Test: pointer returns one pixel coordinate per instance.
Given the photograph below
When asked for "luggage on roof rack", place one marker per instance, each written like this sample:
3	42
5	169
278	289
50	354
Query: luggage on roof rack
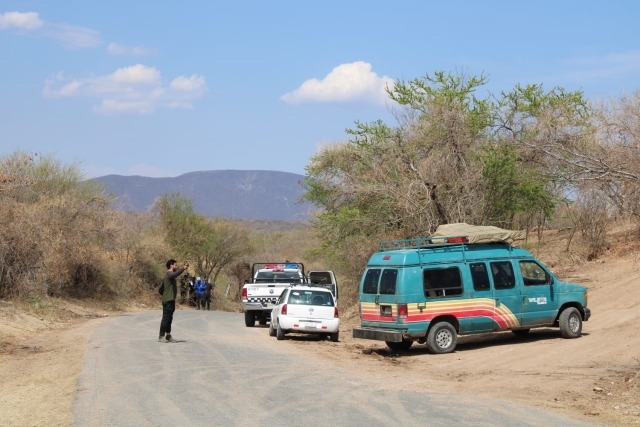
459	233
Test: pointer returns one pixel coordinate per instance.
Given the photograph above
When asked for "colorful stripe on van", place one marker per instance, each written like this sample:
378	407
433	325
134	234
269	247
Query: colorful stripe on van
466	308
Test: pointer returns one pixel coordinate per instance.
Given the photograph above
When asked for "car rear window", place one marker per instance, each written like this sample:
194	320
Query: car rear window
442	282
304	297
278	277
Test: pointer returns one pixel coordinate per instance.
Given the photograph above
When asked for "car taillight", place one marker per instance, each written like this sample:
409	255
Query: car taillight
284	309
403	311
244	293
335	313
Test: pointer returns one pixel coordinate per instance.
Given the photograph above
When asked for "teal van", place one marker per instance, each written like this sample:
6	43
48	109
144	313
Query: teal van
431	290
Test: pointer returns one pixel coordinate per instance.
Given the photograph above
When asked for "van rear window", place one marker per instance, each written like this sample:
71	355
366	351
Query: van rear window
442	282
388	281
371	278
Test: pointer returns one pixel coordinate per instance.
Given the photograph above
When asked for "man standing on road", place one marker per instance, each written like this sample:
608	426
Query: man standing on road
169	299
207	294
201	289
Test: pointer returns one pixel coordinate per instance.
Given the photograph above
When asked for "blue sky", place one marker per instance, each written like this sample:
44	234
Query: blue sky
163	88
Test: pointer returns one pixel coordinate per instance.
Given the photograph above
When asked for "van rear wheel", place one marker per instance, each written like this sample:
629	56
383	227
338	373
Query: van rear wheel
570	323
399	346
442	338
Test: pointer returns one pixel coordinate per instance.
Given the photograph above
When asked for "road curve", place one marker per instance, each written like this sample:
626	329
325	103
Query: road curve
226	374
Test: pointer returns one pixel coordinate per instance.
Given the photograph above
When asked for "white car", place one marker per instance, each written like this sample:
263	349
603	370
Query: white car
305	310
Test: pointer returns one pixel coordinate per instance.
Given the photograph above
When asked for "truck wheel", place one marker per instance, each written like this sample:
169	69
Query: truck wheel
520	332
272	332
570	323
442	338
335	336
249	319
262	320
279	333
399	346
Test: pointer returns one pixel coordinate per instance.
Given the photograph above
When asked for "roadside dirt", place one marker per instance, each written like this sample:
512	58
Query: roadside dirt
593	378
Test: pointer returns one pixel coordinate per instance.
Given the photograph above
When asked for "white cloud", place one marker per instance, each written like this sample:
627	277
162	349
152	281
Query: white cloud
22	20
70	36
346	82
609	65
137	89
118	49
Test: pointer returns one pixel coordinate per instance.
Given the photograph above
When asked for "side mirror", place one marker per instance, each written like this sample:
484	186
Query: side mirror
549	279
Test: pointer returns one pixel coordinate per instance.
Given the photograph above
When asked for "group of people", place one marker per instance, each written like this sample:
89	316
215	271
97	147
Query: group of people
198	289
196	292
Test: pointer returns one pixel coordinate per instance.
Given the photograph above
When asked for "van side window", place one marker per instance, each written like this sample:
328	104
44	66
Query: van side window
533	274
442	282
502	275
371	278
388	282
480	276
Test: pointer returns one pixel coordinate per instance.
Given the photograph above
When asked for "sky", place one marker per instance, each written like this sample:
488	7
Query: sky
160	88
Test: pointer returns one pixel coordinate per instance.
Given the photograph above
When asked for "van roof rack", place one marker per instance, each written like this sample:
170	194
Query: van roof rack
421	243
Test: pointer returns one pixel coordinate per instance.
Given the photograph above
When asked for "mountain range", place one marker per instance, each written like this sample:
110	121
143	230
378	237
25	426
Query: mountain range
242	194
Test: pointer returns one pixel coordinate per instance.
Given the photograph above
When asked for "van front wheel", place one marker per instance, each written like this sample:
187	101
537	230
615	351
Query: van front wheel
398	346
570	323
442	338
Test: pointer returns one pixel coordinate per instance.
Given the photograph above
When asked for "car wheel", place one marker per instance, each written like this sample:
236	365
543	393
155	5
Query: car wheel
249	319
335	337
399	346
279	333
520	332
272	331
442	338
570	323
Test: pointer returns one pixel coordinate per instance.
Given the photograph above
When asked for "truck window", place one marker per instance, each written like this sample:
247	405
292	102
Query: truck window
502	275
388	281
371	278
533	274
278	277
480	276
442	282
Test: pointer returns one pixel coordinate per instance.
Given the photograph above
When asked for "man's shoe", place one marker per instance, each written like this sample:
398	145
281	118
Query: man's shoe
170	339
162	339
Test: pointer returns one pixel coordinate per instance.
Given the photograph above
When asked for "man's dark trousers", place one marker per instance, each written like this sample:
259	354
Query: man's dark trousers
167	317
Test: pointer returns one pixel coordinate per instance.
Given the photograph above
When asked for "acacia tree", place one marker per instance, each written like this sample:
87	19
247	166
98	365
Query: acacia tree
452	157
212	244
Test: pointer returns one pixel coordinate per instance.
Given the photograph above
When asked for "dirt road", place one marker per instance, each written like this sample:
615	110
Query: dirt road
226	374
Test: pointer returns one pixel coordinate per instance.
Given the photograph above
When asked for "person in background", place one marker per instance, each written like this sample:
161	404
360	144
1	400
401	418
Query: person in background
169	299
207	294
200	288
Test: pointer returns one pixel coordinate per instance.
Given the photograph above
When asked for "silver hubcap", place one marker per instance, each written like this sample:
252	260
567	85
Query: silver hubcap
574	323
444	338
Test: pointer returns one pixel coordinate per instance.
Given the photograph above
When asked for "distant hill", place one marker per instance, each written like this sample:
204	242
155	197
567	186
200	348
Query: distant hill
263	195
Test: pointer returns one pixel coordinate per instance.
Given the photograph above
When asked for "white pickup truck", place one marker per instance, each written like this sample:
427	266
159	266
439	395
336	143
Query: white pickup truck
270	279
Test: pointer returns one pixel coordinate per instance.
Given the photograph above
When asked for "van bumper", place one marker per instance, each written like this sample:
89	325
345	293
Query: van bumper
587	314
390	335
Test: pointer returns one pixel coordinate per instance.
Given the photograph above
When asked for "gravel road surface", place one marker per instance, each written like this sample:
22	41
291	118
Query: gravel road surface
225	374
